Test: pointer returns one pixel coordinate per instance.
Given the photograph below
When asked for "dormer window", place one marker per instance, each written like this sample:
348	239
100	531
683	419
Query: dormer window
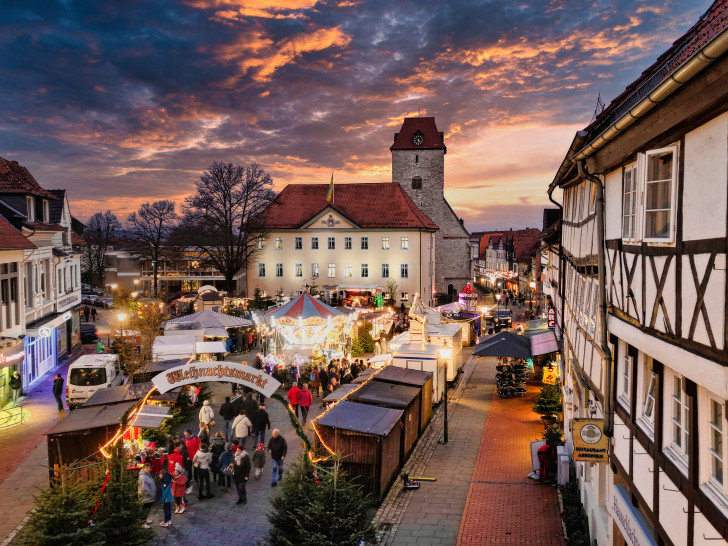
46	211
30	205
417	183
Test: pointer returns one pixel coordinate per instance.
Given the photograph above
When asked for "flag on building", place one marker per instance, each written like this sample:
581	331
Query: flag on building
330	195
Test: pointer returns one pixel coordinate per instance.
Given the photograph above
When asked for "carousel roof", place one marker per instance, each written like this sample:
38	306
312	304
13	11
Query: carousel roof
468	290
303	307
206	319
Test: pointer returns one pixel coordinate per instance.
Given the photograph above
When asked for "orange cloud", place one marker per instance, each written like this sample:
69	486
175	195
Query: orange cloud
239	9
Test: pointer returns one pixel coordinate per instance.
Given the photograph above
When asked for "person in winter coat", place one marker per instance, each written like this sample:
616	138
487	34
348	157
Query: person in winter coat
216	449
241	473
192	443
227	412
261	422
201	462
293	397
346	377
16	385
175	457
314	382
147	491
225	460
179	483
58	391
165	479
242	427
250	406
277	449
304	401
259	460
206	413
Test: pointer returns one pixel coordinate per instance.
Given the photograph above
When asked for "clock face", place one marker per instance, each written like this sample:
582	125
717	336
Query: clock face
418	139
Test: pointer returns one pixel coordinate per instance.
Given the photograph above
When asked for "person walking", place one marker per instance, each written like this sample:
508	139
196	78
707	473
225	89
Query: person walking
293	397
16	385
304	401
201	462
204	433
93	314
277	449
217	447
261	422
242	427
86	313
250	406
192	443
241	473
179	485
147	491
207	415
165	478
58	391
314	381
224	462
227	412
259	460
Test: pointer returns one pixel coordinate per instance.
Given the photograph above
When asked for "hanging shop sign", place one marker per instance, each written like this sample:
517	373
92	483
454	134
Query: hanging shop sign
551	375
633	526
590	442
228	372
551	317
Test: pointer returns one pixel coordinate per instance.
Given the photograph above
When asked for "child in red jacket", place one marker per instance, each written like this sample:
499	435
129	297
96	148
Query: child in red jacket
179	483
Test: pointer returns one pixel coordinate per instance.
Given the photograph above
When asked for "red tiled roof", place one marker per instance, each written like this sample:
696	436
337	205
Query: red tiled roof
41	226
76	239
11	238
525	242
14	178
432	137
380	205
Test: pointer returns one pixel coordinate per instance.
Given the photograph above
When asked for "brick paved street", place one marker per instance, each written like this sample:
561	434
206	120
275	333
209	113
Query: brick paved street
504	506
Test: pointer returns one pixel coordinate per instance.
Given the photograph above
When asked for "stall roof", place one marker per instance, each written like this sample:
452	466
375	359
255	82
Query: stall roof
96	416
340	393
209	347
537	326
363	378
150	416
544	343
164	365
122	393
206	319
448	329
361	418
399	396
403	375
216	332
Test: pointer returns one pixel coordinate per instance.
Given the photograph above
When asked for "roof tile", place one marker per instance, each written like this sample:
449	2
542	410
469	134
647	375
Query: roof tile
14	178
432	137
11	238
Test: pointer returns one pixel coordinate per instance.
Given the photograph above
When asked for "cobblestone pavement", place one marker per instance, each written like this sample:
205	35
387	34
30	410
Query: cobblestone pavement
431	514
504	506
219	521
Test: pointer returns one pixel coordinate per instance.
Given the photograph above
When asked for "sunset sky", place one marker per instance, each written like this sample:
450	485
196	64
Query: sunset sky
126	102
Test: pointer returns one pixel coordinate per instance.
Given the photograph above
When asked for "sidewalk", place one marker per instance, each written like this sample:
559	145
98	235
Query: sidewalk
504	506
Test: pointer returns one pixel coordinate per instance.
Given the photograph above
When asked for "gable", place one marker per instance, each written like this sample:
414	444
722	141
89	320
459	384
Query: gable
329	219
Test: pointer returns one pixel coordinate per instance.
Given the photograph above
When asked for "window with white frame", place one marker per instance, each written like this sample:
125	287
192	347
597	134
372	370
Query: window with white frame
678	420
261	243
298	243
348	271
646	400
592	198
315	271
385	271
332	271
30	205
347	243
404	271
46	211
364	270
659	189
385	243
299	270
314	243
629	202
279	243
581	192
261	270
405	296
279	270
404	243
365	243
717	438
332	243
625	381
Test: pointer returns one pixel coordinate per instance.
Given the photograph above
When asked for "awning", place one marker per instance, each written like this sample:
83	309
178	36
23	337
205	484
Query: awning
210	347
150	416
544	343
357	287
504	344
43	327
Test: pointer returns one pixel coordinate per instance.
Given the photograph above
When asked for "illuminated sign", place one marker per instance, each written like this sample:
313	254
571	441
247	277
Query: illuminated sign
44	331
202	372
551	317
590	442
67	315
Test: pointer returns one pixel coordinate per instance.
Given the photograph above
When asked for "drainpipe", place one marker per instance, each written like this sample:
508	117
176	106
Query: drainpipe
606	352
562	264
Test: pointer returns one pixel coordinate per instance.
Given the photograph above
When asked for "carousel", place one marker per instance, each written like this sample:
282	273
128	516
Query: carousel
305	324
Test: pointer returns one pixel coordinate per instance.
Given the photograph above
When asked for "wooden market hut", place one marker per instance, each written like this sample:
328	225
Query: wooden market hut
340	393
399	397
369	439
412	378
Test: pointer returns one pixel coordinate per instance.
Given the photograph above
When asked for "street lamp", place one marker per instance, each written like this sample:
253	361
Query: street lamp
445	353
134	294
122	318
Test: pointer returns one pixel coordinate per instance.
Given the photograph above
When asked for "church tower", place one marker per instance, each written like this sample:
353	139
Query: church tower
418	165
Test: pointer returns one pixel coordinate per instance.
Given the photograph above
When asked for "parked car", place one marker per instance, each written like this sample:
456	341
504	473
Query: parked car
89	334
503	317
89	373
91	299
106	303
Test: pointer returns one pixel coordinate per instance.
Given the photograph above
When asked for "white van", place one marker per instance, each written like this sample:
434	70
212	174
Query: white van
89	373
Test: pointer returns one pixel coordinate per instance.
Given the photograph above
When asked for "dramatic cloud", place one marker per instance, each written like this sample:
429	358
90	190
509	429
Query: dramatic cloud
127	102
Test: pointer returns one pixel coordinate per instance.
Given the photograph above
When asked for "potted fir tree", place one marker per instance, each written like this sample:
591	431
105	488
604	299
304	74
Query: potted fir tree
548	404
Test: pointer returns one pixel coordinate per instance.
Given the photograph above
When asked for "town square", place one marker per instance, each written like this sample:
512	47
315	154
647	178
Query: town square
364	273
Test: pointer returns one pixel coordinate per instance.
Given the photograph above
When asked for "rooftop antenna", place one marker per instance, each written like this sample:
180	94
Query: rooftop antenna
599	108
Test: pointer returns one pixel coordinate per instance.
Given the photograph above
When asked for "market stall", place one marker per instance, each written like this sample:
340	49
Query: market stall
339	394
412	378
398	397
425	358
369	439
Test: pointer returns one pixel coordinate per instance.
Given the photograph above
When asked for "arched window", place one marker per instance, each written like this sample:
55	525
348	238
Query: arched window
417	183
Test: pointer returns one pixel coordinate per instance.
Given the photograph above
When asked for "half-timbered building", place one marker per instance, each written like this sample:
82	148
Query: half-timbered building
643	288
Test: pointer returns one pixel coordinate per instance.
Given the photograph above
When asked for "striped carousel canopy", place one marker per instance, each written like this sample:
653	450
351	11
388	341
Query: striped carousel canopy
305	308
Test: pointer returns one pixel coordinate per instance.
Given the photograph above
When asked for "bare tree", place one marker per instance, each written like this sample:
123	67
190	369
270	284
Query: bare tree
149	228
99	232
222	219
